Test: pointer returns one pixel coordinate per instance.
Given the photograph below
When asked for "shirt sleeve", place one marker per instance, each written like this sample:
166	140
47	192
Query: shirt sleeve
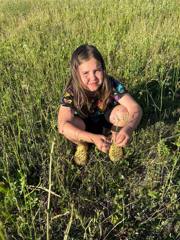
118	90
67	100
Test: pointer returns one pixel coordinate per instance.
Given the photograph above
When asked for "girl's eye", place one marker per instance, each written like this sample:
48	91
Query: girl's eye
98	70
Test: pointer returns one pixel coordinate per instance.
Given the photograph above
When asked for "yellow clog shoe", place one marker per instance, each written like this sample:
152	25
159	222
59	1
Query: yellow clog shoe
115	153
81	154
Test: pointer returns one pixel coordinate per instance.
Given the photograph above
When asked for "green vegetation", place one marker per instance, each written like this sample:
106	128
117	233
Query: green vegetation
43	194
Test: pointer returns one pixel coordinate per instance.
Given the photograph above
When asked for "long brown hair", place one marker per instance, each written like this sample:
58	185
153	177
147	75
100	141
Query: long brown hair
81	95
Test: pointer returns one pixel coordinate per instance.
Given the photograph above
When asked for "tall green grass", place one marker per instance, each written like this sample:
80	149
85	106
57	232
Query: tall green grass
43	195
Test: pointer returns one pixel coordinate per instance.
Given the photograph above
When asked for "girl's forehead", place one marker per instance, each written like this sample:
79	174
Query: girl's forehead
89	63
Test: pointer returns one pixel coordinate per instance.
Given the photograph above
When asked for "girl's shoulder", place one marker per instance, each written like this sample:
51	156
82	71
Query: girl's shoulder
67	97
117	85
68	91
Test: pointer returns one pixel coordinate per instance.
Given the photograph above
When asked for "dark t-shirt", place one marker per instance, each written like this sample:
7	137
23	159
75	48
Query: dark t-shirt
97	109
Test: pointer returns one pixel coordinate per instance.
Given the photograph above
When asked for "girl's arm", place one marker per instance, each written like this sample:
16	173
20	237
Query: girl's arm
69	126
134	110
134	117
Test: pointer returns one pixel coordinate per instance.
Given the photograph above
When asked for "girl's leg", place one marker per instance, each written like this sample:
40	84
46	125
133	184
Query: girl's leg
79	123
81	154
119	116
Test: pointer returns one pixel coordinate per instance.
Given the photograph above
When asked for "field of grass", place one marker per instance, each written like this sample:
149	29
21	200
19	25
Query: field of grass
43	194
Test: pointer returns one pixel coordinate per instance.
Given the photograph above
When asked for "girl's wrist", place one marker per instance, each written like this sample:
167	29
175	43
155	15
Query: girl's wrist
83	136
129	128
115	128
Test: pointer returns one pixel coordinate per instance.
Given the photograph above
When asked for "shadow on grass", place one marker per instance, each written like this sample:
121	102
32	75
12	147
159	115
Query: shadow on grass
159	99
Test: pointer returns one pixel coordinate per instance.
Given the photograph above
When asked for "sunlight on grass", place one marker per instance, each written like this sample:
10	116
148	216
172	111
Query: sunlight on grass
42	192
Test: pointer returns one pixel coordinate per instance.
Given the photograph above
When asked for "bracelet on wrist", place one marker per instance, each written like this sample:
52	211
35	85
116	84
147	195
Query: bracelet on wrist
115	128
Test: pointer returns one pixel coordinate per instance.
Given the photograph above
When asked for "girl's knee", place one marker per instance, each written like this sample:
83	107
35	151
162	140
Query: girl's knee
119	116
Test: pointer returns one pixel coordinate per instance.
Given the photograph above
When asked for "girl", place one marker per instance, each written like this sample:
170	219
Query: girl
96	108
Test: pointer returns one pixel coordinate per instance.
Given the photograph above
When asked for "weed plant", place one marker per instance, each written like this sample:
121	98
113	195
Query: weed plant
43	194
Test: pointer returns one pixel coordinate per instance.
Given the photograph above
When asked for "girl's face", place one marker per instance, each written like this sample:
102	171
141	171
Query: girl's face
91	74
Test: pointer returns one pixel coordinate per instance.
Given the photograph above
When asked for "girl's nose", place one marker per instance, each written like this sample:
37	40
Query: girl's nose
92	76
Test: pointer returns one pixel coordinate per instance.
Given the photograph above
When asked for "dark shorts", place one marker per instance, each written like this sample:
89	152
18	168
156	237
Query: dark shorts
98	125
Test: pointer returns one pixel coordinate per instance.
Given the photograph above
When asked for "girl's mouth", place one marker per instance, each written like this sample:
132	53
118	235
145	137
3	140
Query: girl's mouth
93	83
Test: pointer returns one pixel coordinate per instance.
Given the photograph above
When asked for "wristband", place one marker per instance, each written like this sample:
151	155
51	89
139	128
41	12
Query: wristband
115	128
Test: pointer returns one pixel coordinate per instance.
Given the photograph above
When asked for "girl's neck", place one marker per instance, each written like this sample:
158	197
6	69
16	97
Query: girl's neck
90	94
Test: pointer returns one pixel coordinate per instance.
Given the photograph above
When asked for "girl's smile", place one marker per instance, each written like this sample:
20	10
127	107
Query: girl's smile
91	74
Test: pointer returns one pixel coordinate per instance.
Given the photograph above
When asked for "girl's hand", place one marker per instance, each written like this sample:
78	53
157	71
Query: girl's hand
123	137
101	142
